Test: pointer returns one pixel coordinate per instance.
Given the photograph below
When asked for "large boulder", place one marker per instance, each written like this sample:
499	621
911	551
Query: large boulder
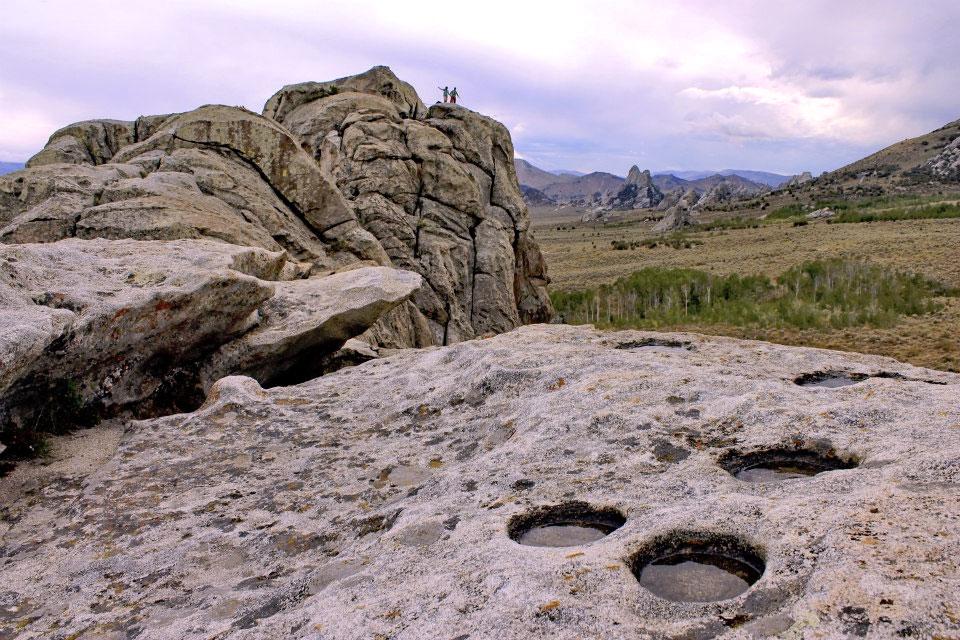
94	141
306	320
379	81
100	326
385	500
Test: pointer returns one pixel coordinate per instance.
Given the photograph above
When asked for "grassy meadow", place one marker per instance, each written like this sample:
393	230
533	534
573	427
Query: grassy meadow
912	261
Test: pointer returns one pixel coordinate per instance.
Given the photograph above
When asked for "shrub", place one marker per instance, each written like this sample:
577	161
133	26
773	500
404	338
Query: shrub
829	293
917	213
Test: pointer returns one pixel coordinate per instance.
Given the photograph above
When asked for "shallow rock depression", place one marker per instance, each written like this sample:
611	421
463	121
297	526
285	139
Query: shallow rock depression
387	500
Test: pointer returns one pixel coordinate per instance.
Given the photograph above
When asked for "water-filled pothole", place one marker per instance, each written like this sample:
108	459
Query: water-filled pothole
773	465
830	379
564	525
834	379
654	342
697	567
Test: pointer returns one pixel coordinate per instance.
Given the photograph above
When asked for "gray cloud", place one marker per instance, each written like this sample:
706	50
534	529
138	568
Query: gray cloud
699	84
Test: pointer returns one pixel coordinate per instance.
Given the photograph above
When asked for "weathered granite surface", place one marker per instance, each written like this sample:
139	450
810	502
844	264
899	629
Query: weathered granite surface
374	502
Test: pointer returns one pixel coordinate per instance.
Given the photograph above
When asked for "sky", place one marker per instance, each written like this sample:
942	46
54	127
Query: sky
590	85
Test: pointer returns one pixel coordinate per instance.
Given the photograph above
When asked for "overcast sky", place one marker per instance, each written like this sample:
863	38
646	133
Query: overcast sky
589	85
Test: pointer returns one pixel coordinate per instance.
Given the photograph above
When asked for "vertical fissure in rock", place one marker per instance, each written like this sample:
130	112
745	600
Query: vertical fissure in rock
263	175
473	270
417	212
446	325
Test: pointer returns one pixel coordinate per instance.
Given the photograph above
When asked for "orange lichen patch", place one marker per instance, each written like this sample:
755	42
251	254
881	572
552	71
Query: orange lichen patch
553	604
575	554
559	383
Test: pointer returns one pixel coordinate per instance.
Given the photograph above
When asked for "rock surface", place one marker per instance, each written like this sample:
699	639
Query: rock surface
824	212
374	502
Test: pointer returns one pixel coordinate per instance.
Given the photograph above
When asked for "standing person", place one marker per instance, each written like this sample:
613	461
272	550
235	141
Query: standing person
446	93
453	96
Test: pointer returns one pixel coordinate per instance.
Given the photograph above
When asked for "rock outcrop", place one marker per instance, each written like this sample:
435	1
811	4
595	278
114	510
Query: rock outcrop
797	180
824	212
680	214
638	191
355	169
439	191
337	175
380	501
946	164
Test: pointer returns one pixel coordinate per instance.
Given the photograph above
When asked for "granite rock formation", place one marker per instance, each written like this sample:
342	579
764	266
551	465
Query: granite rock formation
376	215
352	170
377	501
638	191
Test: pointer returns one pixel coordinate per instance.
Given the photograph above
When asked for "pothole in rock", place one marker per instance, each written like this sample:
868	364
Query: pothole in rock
774	465
697	567
565	525
834	379
654	342
830	379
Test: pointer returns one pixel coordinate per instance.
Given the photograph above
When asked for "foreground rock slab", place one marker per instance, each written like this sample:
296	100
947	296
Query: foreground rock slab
96	328
375	501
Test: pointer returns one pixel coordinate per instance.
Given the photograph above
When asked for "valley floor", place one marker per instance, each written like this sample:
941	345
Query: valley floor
581	255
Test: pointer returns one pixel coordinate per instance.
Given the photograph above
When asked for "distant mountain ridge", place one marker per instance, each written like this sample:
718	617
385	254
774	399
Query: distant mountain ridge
606	190
924	164
10	167
761	177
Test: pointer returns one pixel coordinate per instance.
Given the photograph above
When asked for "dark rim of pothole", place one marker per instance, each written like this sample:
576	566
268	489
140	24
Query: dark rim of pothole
790	462
604	520
654	342
741	563
830	379
834	379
